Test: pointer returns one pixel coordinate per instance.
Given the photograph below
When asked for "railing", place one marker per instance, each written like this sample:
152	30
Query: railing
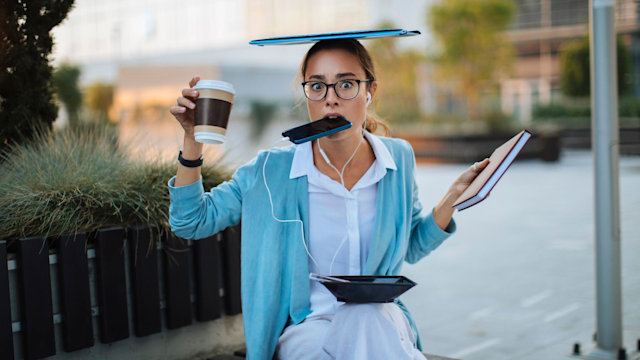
76	285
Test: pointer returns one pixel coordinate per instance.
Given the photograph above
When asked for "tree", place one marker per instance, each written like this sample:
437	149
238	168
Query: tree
262	112
397	98
474	51
65	80
100	99
575	73
26	93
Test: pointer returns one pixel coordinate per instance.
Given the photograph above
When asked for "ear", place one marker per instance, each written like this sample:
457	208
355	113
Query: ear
372	89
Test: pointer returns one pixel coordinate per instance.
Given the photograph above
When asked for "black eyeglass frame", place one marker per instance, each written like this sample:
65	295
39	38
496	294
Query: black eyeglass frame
327	86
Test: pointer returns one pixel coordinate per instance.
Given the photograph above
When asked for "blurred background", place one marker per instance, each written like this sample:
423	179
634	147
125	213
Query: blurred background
479	67
517	280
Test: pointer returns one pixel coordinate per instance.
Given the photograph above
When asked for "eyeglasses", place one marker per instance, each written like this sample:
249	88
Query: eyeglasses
345	89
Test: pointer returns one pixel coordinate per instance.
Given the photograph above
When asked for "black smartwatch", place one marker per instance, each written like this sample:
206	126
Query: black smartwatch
190	163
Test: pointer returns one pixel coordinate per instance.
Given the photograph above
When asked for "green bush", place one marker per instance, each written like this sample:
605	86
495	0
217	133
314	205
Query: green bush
99	98
498	122
629	107
575	73
556	110
65	80
262	114
82	180
578	114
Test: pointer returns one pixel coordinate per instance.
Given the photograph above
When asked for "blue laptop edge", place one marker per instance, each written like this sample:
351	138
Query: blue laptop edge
303	39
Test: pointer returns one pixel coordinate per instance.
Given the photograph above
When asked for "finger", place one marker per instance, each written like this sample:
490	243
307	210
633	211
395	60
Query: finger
478	166
186	103
466	177
194	80
482	164
472	171
190	93
177	110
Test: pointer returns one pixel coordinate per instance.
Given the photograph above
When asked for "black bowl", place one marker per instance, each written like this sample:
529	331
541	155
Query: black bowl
368	289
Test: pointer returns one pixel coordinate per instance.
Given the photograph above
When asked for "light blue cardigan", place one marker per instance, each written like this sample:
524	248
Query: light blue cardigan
275	282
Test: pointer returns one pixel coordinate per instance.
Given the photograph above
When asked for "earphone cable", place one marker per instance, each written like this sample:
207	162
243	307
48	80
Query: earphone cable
341	175
264	178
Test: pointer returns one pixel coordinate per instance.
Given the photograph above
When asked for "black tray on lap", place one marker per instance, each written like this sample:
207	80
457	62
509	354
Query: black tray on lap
368	289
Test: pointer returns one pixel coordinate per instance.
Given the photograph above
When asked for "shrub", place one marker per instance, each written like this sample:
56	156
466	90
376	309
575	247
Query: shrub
262	113
65	80
575	73
99	99
499	122
82	180
579	113
629	107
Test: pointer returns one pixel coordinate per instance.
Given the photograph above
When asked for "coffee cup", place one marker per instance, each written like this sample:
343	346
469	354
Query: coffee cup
213	107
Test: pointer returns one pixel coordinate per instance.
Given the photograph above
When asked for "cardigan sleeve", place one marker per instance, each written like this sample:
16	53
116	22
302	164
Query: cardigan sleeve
196	214
426	235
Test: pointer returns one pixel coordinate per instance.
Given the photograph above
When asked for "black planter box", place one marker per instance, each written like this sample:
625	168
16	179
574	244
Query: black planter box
135	278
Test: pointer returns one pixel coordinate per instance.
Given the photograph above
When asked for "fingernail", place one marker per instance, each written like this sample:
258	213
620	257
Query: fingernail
192	105
193	92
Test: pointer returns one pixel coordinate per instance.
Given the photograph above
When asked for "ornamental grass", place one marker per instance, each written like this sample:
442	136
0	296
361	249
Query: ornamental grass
70	181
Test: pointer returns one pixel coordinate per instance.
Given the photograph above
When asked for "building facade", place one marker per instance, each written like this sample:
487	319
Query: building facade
540	29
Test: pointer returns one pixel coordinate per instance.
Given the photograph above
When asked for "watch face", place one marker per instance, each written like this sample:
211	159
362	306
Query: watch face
305	39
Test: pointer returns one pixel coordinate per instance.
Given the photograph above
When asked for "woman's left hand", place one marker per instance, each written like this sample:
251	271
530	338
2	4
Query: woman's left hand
443	212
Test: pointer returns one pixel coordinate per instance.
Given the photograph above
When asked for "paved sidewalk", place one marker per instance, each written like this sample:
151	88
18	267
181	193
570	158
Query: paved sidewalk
517	279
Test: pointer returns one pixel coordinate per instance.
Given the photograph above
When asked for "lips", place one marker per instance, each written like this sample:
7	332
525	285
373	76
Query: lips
333	115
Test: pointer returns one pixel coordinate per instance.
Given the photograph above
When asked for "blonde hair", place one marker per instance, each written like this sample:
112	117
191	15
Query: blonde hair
374	122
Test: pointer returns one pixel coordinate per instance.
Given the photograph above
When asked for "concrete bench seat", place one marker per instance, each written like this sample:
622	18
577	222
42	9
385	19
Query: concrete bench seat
240	355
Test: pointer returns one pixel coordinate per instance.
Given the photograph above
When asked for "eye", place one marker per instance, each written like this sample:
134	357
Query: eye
347	84
316	86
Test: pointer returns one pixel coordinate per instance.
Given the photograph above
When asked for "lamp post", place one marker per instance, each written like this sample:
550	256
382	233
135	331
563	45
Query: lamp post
605	134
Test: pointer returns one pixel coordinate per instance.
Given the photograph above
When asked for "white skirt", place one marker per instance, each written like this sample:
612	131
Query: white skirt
356	331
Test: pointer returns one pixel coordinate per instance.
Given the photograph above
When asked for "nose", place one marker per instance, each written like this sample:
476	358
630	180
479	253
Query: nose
331	96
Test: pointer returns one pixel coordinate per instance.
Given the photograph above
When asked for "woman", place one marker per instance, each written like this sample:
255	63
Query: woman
346	204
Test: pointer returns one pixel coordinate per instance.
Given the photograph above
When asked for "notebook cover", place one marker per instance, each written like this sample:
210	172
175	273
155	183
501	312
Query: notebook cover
497	158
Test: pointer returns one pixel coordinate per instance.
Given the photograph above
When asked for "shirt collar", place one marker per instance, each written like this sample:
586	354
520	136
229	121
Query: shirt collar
303	156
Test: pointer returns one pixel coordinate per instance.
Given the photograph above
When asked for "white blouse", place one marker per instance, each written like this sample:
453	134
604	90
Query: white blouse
341	222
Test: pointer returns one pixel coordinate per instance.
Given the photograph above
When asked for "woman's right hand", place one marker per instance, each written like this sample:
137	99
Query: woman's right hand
183	111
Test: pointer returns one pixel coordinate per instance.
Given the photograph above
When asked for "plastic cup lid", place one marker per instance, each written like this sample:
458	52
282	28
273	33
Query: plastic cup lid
209	138
215	85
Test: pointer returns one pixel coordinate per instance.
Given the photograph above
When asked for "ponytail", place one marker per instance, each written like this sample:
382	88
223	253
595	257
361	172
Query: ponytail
375	123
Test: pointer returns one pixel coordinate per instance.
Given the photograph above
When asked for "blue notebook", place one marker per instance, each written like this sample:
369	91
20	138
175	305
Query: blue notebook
305	39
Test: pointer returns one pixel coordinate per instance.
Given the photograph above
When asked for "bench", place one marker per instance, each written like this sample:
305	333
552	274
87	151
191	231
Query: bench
240	354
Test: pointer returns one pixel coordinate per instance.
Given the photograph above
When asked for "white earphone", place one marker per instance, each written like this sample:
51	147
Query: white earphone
368	98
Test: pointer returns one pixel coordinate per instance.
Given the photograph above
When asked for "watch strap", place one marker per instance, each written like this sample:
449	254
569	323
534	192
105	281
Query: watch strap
190	163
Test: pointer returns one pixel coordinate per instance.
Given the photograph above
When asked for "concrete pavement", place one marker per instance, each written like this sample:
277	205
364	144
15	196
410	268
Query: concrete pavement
517	279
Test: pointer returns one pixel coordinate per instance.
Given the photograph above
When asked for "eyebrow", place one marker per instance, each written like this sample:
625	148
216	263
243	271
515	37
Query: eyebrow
340	75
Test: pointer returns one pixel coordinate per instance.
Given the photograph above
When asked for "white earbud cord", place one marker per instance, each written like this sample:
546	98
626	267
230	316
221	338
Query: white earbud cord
264	178
341	175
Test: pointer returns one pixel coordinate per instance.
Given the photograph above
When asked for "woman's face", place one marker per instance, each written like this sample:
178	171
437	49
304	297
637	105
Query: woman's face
331	66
